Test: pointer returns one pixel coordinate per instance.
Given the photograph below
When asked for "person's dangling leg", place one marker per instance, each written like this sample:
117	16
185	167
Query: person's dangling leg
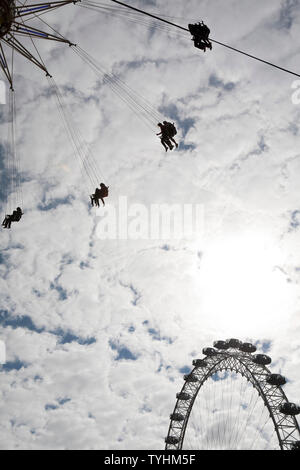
174	141
163	144
169	144
8	221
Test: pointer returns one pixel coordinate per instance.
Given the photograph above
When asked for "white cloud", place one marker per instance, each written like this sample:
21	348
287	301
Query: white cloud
163	306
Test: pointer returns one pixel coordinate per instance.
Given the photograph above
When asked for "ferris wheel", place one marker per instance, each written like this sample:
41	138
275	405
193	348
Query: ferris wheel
231	400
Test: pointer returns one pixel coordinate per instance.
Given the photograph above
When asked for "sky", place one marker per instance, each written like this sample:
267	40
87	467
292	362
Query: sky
99	331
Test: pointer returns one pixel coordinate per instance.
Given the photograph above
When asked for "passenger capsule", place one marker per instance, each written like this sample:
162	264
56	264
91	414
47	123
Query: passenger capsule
275	379
247	347
190	378
221	344
261	359
289	408
295	445
176	417
171	440
209	351
233	343
183	396
199	363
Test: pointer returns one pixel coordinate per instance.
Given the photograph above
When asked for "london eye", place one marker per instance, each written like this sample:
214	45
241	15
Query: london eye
231	400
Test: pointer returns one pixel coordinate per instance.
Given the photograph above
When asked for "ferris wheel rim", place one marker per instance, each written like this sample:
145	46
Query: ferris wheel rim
256	376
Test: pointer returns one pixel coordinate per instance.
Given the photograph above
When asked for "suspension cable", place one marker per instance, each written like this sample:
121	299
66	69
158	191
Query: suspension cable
131	16
12	186
81	149
137	103
212	40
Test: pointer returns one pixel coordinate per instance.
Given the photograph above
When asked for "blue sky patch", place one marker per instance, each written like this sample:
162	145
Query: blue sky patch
185	370
67	337
123	352
264	346
145	409
13	365
54	203
62	293
136	294
287	14
166	247
216	82
50	406
62	401
23	321
156	336
294	220
217	376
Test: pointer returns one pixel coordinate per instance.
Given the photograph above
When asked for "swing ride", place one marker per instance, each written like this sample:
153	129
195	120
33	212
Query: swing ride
17	25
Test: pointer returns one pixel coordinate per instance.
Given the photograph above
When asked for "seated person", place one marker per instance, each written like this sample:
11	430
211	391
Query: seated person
165	140
14	217
171	130
100	193
200	33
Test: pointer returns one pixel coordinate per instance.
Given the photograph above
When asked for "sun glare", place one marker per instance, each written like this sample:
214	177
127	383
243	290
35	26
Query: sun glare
244	287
